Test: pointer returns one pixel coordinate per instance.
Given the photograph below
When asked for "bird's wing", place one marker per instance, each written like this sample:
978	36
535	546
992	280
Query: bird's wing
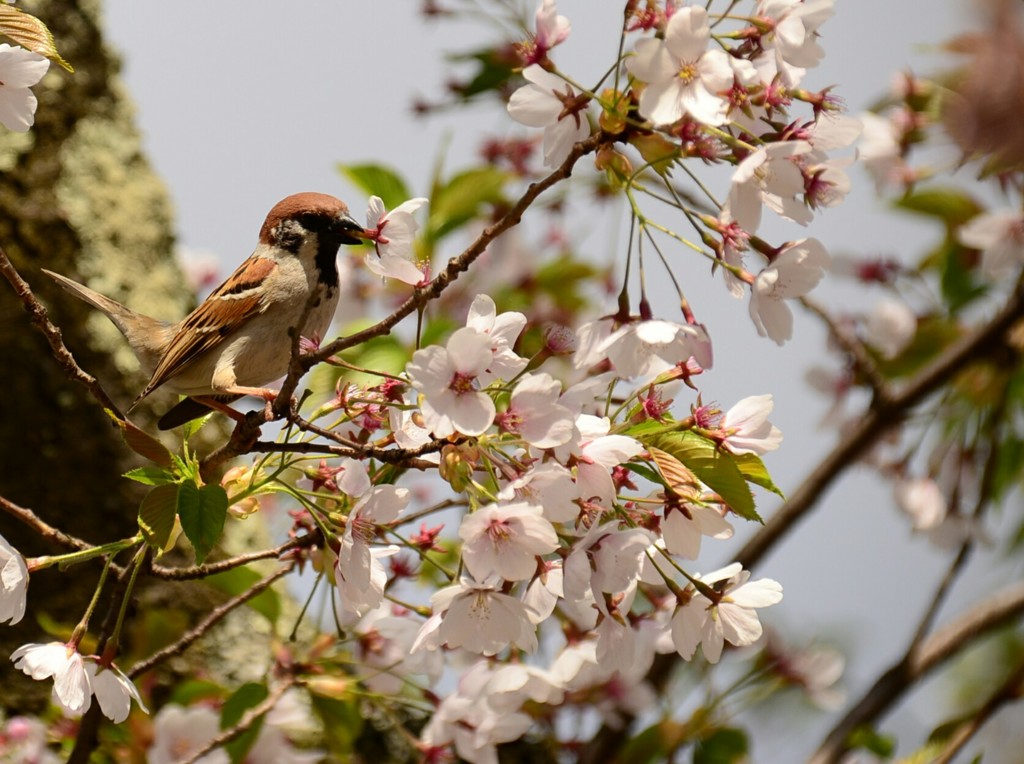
221	314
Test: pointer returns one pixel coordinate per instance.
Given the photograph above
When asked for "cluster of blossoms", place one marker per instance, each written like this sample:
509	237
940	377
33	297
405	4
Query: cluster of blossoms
700	90
557	539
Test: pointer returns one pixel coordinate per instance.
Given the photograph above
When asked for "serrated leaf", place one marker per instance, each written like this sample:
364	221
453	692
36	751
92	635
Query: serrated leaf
233	582
755	472
713	466
30	33
150	476
247	696
377	180
140	442
156	515
202	512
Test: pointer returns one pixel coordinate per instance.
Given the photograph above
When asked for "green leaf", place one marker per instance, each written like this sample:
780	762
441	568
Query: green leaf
156	515
713	466
202	512
342	723
460	200
723	746
30	33
949	205
869	740
755	472
233	582
652	744
247	696
141	442
377	180
150	476
645	472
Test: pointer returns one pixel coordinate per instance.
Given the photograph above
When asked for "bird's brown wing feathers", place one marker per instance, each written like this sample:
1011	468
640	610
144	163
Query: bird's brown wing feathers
229	306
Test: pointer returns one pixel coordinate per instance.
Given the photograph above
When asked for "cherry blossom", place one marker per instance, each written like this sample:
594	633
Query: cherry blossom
447	379
71	688
505	539
747	428
20	69
544	591
793	273
731	618
113	690
794	34
769	176
393	240
552	29
880	153
478	617
180	732
549	486
359	573
646	348
599	453
550	102
385	640
469	720
503	330
683	76
535	413
1000	237
922	499
890	327
13	584
685	524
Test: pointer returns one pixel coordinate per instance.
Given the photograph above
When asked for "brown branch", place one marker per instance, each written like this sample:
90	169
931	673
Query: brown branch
209	622
1008	692
249	718
853	347
40	318
202	571
997	611
46	531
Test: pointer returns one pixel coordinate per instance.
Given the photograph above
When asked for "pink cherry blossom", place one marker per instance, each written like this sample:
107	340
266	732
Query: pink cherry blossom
113	690
20	69
71	688
890	327
552	29
550	486
505	540
793	273
747	428
733	618
1000	237
535	413
478	617
447	379
922	499
599	453
683	75
396	230
769	177
550	102
794	34
179	732
503	330
686	524
13	583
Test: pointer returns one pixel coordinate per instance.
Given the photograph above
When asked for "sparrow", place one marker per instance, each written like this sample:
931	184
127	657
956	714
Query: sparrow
239	339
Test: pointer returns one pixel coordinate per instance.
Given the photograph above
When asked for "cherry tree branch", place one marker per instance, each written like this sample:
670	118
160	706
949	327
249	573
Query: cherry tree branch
40	318
208	569
46	531
215	615
997	611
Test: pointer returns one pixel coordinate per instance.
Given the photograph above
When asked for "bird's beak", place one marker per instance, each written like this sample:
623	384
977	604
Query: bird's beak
350	231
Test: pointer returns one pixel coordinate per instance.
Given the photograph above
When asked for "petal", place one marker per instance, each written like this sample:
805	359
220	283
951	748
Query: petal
652	63
687	33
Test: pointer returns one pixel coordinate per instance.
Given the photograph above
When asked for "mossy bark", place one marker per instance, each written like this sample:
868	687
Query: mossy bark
77	196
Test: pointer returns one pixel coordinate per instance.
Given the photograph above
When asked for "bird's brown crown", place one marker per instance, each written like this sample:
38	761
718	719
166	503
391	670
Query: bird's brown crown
292	207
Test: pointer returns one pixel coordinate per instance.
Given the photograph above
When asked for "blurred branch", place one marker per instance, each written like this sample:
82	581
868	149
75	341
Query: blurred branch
997	611
209	622
45	530
853	347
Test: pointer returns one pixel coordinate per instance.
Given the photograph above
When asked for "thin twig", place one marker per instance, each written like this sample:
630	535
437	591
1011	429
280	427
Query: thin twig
202	571
993	613
249	718
209	622
41	320
46	531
